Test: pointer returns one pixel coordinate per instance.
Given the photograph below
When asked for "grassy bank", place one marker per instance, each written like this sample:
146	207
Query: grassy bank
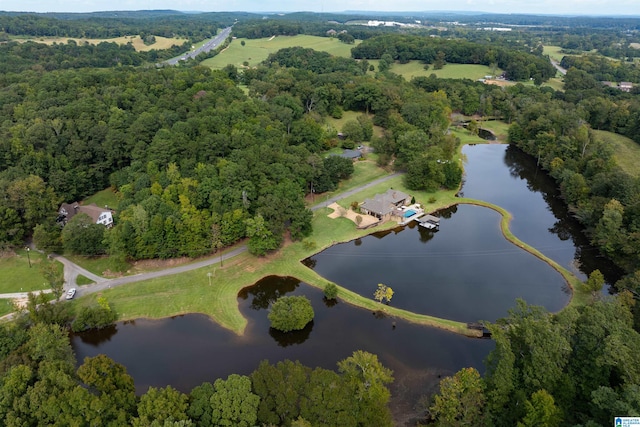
626	152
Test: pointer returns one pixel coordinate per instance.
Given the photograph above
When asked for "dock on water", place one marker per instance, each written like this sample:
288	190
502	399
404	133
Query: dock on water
429	222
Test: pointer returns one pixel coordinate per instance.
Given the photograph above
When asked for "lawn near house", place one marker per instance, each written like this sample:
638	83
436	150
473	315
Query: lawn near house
16	274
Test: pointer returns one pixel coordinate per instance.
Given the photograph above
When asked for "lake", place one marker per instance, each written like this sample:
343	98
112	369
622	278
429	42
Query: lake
465	271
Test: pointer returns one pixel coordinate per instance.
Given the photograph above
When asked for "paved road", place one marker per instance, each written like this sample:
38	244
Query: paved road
72	270
208	46
558	67
353	191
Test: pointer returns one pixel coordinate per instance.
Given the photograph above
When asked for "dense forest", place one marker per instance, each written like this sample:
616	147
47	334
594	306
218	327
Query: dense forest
517	65
199	163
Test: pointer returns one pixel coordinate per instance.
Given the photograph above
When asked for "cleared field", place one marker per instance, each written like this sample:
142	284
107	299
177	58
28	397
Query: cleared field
450	71
553	52
626	151
160	44
103	198
256	50
17	276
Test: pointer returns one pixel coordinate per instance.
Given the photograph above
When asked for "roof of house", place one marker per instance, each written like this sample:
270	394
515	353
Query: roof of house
351	154
384	203
395	195
378	206
71	209
93	210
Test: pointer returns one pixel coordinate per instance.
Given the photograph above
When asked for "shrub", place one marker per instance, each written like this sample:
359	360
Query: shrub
331	291
291	313
94	317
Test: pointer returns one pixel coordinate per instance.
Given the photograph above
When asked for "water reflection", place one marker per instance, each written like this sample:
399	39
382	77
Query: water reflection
540	216
285	339
96	337
185	351
263	296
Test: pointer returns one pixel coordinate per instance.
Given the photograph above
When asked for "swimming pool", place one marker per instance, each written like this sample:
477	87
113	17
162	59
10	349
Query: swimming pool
409	213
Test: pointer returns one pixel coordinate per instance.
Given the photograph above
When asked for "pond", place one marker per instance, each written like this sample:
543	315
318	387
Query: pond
506	176
185	351
456	272
466	271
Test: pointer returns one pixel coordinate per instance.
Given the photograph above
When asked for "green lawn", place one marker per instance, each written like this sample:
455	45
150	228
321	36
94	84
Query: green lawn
81	280
449	71
106	197
553	52
256	50
499	128
96	265
16	274
6	306
626	151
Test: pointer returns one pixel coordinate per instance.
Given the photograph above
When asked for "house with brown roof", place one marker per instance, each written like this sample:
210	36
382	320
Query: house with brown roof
99	215
385	205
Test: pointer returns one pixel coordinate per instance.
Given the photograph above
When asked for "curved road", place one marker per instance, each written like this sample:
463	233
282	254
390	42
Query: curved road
72	270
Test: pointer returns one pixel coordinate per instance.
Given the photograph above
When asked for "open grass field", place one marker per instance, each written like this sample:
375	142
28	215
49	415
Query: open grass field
160	44
6	307
17	276
626	151
256	50
106	197
553	52
449	71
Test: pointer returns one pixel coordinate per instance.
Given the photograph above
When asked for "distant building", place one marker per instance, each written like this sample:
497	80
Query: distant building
626	86
99	215
351	154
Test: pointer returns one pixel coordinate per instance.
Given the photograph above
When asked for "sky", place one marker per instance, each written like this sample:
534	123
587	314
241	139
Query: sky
571	7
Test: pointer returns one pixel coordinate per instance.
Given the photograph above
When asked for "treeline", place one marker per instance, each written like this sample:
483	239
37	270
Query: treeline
414	120
517	65
604	108
98	26
40	385
316	62
603	69
574	368
601	195
294	24
611	43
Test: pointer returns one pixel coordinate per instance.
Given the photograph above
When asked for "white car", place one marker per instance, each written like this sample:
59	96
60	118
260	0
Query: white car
70	293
